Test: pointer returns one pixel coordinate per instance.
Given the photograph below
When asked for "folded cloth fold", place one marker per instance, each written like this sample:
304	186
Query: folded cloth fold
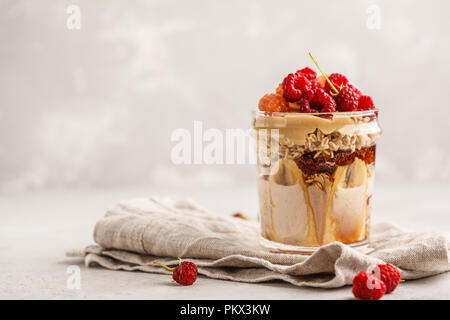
136	232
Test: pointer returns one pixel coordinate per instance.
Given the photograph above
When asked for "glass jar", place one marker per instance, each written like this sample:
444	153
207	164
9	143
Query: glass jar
316	176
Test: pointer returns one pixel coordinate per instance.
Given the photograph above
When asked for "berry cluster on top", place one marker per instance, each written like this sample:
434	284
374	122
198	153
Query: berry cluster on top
304	91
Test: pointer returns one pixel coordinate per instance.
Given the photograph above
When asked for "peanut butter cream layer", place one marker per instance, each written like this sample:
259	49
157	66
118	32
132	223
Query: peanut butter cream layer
297	126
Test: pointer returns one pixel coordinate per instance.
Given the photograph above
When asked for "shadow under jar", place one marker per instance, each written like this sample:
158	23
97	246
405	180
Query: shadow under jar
316	176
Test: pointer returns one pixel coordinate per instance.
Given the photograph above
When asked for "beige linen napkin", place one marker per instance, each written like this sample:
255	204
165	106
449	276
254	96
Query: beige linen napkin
136	232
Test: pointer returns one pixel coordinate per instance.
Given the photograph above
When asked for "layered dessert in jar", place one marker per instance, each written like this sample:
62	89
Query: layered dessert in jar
316	158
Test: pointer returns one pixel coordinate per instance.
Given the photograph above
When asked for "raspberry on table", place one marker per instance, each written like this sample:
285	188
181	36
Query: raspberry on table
347	99
273	102
185	273
239	216
365	103
368	287
337	80
389	274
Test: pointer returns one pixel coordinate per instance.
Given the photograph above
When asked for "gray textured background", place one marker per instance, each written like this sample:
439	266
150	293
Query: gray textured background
96	107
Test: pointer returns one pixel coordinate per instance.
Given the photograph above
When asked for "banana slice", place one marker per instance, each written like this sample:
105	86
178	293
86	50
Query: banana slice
318	200
289	210
349	202
286	173
356	174
289	213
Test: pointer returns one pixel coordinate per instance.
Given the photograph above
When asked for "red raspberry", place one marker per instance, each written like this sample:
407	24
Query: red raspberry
185	273
290	92
315	85
305	86
337	80
365	103
368	287
389	274
309	73
357	91
347	99
296	86
305	106
322	101
240	216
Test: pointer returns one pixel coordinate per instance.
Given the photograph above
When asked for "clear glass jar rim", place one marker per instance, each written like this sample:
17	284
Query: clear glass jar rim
338	114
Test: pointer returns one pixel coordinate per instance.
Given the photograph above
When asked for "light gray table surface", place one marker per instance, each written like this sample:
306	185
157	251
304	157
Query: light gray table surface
37	228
